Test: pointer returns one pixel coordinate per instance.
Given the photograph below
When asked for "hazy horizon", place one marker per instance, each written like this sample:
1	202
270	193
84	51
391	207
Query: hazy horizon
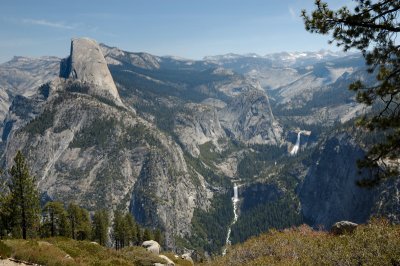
179	28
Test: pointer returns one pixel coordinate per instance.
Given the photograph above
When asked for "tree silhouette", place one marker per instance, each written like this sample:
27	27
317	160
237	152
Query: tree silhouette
371	28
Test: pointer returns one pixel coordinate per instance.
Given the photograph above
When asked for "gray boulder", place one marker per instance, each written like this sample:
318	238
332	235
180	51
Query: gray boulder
343	227
187	257
152	246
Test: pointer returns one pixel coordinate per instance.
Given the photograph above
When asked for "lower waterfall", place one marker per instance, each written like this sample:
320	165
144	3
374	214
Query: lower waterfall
235	201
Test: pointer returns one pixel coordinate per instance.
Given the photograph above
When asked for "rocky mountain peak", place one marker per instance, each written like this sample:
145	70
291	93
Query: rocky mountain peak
87	64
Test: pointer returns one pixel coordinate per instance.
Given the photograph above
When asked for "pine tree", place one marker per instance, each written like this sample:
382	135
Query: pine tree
118	230
5	210
73	218
54	220
84	225
147	235
130	224
79	222
371	28
158	236
24	199
100	226
125	230
139	235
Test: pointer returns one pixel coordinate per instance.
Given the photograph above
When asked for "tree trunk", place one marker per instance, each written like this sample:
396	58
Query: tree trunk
52	224
23	211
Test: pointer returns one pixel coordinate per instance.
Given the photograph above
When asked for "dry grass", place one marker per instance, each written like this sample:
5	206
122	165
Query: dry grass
377	243
62	251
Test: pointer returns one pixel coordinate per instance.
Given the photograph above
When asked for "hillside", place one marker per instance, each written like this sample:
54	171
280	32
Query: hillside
63	251
376	243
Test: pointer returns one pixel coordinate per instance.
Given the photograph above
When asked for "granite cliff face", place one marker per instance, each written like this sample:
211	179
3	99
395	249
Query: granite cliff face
248	117
22	76
88	65
198	126
84	145
329	192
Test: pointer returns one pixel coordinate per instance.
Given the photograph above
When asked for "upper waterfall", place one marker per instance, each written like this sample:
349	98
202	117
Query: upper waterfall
296	146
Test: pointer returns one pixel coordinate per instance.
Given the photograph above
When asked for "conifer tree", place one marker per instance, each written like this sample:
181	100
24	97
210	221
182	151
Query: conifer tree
130	229
79	222
5	210
101	222
125	230
24	199
139	235
371	28
55	221
158	236
147	235
118	230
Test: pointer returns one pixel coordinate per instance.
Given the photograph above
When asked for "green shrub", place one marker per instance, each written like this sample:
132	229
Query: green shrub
64	251
5	251
40	252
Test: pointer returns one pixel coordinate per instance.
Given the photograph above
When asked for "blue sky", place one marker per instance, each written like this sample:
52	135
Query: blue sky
186	28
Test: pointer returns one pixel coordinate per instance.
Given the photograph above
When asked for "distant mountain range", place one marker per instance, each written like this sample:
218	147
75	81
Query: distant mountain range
283	59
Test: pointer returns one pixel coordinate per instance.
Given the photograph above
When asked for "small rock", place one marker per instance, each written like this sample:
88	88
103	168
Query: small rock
187	257
152	246
343	227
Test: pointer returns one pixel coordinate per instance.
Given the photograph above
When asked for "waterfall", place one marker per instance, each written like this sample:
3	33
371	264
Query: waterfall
235	201
296	146
235	193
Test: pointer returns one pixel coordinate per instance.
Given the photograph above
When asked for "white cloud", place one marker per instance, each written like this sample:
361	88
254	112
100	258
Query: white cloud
293	13
42	22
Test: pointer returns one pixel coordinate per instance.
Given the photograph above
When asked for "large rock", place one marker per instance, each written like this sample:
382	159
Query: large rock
168	260
86	63
343	227
152	246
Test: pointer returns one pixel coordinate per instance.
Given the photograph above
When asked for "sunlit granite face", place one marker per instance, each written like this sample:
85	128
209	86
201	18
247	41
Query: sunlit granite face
89	66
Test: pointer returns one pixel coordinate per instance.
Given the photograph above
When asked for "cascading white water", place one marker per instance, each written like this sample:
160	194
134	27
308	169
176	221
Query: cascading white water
296	146
235	193
235	201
